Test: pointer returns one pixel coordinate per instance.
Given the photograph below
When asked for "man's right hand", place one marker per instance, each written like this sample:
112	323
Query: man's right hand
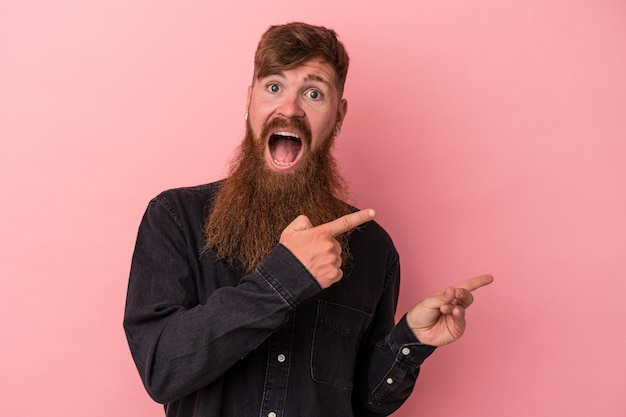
317	248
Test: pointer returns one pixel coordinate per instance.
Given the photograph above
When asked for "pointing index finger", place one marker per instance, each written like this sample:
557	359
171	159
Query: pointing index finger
476	282
348	222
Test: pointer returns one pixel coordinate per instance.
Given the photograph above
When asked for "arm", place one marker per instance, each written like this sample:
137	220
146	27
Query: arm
393	365
181	343
390	361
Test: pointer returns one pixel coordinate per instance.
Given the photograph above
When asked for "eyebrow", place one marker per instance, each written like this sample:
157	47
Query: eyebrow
315	77
308	77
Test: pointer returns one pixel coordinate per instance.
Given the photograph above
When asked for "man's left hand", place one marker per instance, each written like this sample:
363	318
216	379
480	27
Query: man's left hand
440	319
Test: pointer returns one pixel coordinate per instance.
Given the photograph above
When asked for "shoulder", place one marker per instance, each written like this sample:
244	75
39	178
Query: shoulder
371	233
198	196
181	203
375	231
372	238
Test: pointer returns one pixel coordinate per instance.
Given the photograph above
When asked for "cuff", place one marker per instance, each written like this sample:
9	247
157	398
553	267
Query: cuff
408	348
286	274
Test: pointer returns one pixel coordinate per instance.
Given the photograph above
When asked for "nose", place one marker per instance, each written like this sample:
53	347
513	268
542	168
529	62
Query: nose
290	107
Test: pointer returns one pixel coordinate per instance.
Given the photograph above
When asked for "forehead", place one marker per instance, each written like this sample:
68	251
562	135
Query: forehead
314	70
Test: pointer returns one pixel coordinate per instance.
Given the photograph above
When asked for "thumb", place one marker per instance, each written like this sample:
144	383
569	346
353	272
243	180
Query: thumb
445	296
301	222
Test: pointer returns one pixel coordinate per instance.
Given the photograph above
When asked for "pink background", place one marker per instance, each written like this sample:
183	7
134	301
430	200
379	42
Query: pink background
489	135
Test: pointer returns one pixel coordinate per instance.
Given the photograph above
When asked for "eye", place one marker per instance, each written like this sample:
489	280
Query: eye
314	94
273	88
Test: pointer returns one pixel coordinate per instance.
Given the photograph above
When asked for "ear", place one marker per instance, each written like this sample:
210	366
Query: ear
341	112
248	98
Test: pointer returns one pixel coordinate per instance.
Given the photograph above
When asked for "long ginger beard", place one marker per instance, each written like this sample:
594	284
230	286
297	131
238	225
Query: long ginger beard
255	203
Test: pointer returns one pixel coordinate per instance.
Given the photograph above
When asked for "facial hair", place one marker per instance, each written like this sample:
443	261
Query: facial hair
255	203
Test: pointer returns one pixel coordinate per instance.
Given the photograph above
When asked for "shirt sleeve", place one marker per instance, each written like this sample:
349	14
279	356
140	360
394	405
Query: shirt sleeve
181	344
389	367
405	354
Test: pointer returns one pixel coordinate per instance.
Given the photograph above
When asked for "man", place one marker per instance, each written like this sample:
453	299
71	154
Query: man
265	294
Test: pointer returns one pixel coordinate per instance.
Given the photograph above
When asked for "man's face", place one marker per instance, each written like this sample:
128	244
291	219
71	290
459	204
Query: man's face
294	112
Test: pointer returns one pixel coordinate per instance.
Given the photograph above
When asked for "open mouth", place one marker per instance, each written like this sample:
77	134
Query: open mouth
285	149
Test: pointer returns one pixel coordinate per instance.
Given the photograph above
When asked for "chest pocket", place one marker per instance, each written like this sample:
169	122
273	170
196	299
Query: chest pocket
337	335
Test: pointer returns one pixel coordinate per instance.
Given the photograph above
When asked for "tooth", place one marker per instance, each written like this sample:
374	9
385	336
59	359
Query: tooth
284	164
293	135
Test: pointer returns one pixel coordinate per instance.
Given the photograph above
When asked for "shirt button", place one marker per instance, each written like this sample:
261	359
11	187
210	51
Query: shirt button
406	351
281	359
389	381
271	414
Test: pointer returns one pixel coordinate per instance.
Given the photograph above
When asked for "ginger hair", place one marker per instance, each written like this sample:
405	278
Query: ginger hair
288	46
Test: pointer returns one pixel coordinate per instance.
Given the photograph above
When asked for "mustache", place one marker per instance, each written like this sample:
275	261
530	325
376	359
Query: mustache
293	123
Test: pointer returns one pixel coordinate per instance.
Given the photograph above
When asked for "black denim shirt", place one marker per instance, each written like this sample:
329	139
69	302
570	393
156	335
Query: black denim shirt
210	341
